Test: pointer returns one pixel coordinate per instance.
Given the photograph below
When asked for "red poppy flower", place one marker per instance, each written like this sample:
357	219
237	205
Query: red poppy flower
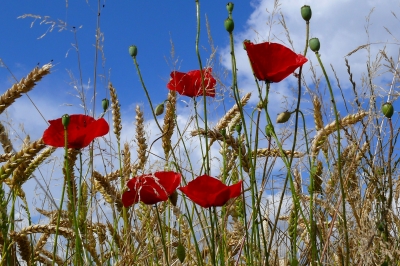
82	130
272	62
208	191
151	189
189	84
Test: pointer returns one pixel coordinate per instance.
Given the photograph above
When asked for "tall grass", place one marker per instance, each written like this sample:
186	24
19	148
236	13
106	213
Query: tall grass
320	189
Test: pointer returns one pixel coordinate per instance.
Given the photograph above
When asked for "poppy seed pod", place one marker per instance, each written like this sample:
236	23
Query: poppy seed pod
181	253
306	12
173	198
238	128
65	120
269	130
105	103
229	24
387	109
229	7
283	117
159	109
314	44
133	50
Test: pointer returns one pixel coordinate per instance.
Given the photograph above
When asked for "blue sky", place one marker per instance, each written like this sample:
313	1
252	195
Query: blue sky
340	25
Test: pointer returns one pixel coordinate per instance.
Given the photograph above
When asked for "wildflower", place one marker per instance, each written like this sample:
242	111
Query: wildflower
151	188
82	130
189	84
208	191
272	62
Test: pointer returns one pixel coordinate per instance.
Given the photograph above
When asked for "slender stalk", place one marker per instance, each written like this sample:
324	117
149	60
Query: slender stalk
339	163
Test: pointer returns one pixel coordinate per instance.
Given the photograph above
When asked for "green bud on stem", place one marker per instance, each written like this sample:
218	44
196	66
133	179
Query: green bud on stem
65	120
133	50
387	109
314	44
306	12
229	25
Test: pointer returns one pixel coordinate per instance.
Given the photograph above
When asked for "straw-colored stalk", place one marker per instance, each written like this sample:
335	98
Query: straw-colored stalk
169	122
140	141
116	112
115	235
322	135
227	118
23	86
23	155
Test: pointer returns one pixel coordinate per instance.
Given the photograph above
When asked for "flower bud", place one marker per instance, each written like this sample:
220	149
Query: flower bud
229	7
269	130
387	109
306	12
229	25
105	103
223	132
159	109
133	50
181	253
238	128
314	44
283	117
65	120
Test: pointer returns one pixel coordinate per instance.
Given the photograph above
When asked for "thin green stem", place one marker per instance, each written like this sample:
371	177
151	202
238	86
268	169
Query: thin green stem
339	163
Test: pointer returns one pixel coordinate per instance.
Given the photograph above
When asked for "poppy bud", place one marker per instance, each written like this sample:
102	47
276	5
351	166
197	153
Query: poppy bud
314	44
173	198
229	7
229	25
65	120
283	117
238	127
387	109
105	103
306	12
133	50
269	130
159	109
181	253
223	132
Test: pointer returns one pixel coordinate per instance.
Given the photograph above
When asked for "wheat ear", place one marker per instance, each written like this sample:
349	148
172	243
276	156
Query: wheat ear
110	194
5	140
321	136
169	123
24	246
140	141
116	112
317	114
23	86
227	118
25	154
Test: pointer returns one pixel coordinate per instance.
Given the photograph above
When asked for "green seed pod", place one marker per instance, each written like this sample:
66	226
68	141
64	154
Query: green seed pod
65	120
159	109
387	109
105	103
229	25
238	128
283	117
181	253
133	50
269	130
314	44
381	226
306	12
173	198
229	7
223	132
